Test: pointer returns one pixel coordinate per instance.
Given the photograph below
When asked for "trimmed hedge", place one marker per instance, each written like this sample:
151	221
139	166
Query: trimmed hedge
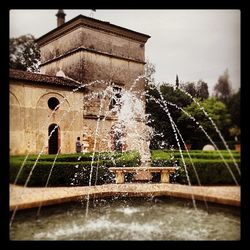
164	154
209	166
210	172
68	170
63	174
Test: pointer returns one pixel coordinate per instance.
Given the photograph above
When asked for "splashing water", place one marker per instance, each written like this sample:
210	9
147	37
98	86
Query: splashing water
200	127
215	126
130	114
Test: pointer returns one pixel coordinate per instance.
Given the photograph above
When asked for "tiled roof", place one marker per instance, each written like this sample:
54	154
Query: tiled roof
43	79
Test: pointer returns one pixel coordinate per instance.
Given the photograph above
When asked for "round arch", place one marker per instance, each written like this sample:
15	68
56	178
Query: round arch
43	100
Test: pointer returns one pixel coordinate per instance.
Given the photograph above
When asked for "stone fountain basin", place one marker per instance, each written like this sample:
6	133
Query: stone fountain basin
126	218
22	198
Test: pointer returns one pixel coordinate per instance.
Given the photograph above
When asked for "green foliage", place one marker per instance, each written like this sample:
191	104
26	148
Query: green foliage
209	166
63	174
202	90
210	172
190	88
195	154
198	90
68	170
234	110
158	117
159	120
218	113
24	53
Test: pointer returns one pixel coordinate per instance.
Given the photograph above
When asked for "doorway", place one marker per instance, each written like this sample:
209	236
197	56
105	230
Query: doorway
54	140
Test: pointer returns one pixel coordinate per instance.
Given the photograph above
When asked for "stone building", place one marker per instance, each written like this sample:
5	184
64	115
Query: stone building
86	65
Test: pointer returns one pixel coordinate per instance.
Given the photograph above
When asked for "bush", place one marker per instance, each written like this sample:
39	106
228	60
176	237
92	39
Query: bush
199	154
63	174
210	172
68	170
209	166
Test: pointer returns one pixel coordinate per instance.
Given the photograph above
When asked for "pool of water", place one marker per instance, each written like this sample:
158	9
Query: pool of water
158	218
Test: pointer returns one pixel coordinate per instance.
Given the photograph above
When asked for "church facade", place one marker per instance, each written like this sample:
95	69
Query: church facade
85	66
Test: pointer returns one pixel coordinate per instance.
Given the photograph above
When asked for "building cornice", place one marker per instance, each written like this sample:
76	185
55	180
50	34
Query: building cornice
82	48
81	21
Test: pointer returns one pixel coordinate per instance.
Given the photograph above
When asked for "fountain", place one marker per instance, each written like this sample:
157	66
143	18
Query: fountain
117	218
129	219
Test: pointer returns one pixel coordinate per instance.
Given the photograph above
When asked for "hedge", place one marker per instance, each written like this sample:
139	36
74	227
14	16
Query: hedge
211	171
68	171
82	156
63	174
166	155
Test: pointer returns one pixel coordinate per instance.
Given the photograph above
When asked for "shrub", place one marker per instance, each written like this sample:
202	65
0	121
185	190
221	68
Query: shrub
210	172
209	166
63	174
68	170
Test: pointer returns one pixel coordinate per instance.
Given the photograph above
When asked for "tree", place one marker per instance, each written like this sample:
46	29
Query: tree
198	90
234	107
24	53
159	119
234	110
216	110
190	88
223	89
202	90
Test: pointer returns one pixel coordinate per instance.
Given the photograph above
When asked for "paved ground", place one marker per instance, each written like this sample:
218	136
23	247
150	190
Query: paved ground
21	198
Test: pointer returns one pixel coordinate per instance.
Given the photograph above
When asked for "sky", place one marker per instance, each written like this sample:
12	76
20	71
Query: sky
195	44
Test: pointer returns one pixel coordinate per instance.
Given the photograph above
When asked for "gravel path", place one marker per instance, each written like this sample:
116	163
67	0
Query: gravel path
21	198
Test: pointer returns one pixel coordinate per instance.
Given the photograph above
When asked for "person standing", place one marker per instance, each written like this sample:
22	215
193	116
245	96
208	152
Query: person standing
78	145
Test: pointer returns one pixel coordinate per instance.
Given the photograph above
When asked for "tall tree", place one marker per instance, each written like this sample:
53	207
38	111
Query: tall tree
217	110
24	53
190	88
234	110
234	107
159	120
177	84
223	89
202	90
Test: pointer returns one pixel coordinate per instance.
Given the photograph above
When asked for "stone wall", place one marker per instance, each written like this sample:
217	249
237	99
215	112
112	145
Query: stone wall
85	50
88	54
30	118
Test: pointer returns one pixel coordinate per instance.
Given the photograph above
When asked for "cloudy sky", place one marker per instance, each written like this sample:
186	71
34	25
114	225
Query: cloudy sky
195	44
